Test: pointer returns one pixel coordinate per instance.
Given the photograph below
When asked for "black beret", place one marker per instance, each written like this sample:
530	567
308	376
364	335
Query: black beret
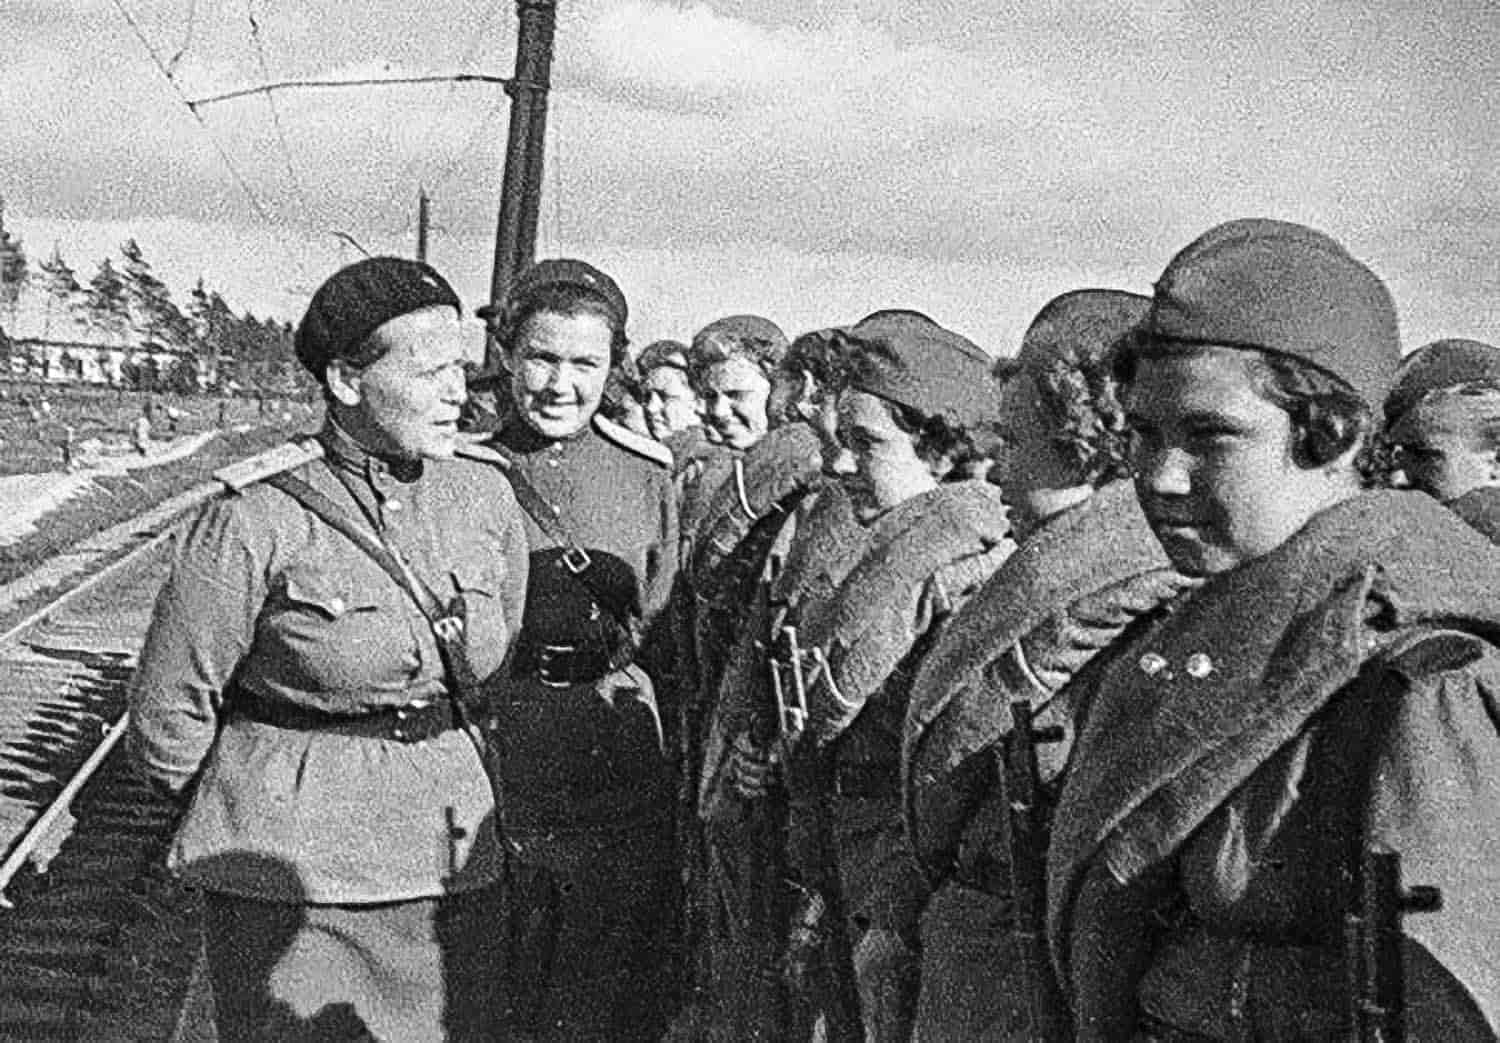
1441	364
563	272
358	300
1286	289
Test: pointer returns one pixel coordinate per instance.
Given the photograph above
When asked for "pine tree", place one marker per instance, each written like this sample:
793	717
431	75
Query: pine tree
212	322
198	308
13	268
107	302
60	283
152	312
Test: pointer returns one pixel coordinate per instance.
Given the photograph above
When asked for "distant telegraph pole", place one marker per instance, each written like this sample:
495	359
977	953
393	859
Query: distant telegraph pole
422	217
521	191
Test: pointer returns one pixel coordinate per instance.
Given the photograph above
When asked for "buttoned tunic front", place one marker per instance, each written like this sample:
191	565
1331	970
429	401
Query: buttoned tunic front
264	598
588	772
574	758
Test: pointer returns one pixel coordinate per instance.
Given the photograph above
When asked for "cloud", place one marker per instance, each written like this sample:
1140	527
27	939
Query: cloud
692	59
805	149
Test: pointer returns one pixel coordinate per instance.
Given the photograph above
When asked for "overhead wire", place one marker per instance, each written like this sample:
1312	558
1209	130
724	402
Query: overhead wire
363	81
265	72
256	205
167	68
417	159
187	35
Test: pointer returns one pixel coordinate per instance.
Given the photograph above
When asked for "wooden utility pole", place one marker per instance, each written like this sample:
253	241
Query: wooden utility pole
422	214
521	190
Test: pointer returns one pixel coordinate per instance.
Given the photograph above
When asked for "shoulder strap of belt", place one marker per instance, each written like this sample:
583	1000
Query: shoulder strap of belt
335	517
575	561
447	622
464	691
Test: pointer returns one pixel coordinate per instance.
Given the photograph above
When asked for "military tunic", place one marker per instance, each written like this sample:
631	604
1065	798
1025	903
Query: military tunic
736	878
588	772
1221	791
697	473
973	986
1481	509
331	852
819	544
926	556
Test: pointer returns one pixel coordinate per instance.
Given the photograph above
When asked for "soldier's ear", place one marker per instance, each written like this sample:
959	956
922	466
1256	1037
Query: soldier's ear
343	382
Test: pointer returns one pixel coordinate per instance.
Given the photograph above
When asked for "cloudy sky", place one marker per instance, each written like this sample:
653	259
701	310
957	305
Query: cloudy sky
811	161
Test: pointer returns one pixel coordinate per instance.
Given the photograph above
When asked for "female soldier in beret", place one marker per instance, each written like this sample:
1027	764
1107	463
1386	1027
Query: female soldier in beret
588	776
339	819
748	580
730	364
1330	690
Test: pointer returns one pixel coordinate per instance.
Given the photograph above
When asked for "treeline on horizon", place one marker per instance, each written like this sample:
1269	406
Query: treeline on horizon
129	306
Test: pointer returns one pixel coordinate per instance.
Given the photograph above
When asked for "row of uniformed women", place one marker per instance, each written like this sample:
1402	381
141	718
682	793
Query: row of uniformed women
1261	668
1294	670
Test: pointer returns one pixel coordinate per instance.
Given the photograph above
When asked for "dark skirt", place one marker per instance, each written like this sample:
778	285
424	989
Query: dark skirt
590	921
429	969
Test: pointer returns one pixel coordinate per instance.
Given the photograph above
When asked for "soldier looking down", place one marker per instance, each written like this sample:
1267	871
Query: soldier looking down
914	392
1329	694
747	588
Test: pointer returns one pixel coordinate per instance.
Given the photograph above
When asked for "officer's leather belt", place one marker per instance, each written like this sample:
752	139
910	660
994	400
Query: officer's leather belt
867	780
411	722
562	665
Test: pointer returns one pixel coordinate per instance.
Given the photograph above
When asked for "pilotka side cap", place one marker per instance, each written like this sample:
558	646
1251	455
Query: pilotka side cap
357	300
1441	364
1081	326
738	329
910	360
1283	288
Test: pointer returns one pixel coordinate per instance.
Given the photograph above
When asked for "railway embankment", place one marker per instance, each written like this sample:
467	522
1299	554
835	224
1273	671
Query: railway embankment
57	527
96	941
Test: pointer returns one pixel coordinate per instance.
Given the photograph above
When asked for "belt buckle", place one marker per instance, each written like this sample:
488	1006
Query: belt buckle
401	731
549	655
575	559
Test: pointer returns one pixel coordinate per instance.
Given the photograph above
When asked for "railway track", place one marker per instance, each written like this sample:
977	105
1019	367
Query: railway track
80	834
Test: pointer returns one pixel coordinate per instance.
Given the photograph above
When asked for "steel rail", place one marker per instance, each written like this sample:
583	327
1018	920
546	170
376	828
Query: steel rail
25	847
60	806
